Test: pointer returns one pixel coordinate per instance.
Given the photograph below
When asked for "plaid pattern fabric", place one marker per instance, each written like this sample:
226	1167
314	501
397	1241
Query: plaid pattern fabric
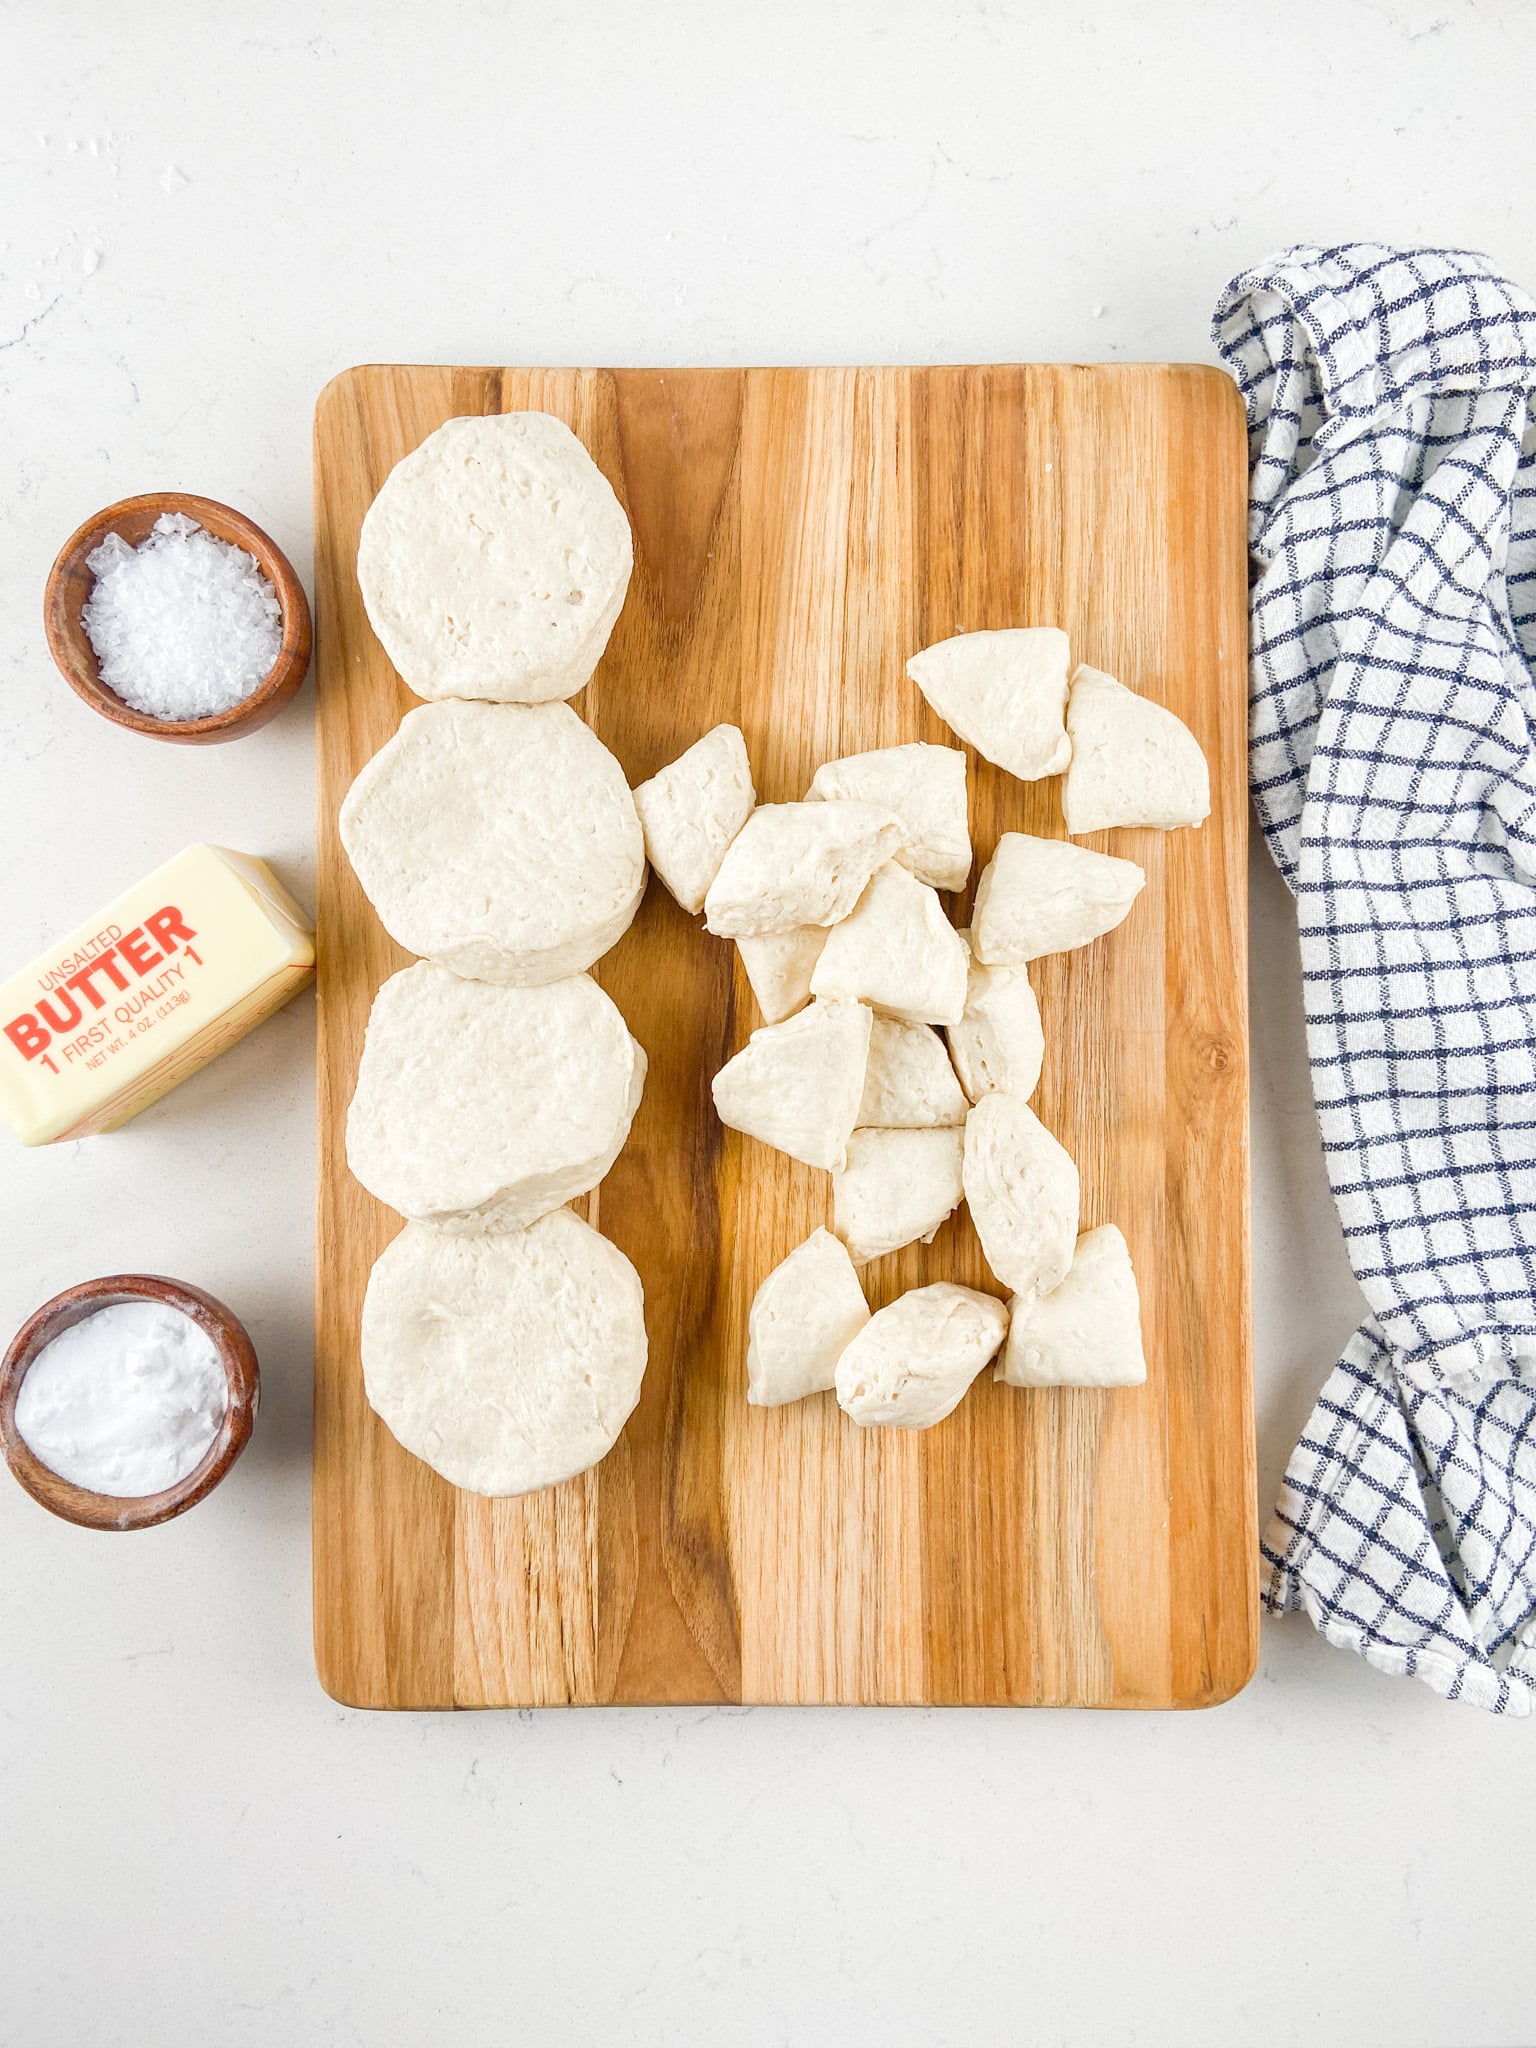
1392	524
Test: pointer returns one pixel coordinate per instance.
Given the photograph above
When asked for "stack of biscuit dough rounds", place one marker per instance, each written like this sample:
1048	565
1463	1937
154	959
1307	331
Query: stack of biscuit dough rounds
503	1338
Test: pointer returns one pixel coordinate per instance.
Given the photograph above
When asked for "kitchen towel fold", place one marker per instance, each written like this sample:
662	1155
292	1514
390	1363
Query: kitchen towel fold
1392	756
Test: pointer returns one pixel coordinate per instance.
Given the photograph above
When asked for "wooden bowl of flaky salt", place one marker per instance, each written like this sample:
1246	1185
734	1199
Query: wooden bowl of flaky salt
178	618
125	1400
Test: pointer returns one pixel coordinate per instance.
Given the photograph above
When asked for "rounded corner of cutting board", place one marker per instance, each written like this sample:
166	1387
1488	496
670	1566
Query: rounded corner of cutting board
1219	1690
349	388
345	1686
1232	412
339	387
338	1686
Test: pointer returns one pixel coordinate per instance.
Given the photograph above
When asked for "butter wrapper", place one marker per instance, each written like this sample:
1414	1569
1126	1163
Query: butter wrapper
154	987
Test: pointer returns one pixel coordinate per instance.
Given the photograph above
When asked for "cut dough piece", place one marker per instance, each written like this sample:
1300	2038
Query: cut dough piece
798	1085
804	1316
1087	1331
925	787
998	1045
779	966
897	1187
911	1363
500	840
799	864
494	561
692	811
482	1108
1023	1194
1004	692
507	1362
909	1083
898	952
1133	761
1040	896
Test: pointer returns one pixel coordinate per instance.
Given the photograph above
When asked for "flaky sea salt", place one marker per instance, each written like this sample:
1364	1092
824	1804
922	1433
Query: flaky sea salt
126	1401
184	624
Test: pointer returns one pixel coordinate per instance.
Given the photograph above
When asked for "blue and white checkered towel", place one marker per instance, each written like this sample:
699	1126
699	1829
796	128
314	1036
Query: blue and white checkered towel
1392	522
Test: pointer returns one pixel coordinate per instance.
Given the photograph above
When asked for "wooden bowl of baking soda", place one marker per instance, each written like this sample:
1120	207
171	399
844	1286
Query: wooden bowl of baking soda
125	1400
178	618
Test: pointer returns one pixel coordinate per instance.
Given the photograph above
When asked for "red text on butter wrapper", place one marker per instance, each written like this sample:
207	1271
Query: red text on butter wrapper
60	1012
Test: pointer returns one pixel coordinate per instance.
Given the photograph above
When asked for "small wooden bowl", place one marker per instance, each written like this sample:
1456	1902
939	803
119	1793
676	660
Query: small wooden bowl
141	1511
69	586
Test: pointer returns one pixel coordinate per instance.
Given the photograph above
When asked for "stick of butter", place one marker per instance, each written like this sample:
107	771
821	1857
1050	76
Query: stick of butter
164	980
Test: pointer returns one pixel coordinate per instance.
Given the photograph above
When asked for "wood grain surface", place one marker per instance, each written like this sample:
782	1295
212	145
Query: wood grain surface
798	534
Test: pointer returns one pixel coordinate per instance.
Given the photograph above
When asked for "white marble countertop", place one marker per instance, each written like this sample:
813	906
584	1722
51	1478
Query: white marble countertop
207	212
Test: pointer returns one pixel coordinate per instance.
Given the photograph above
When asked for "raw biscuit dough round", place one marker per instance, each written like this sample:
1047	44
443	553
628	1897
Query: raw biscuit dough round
483	1108
506	1362
494	561
500	840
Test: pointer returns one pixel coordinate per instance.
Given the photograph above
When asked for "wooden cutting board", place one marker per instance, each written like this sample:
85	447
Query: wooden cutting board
798	534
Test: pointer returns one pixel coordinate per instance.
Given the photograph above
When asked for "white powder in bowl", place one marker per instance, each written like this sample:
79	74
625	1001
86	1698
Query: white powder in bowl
126	1401
184	624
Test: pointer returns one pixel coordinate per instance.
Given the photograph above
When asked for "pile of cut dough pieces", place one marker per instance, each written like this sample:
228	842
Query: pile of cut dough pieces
503	1339
833	904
